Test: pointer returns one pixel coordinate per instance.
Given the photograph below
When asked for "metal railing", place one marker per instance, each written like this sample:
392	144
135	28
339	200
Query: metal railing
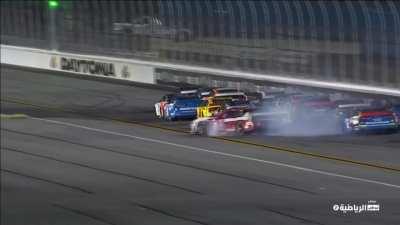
340	41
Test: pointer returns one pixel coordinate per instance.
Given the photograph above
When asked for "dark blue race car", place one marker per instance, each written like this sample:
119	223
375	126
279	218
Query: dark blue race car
182	107
372	120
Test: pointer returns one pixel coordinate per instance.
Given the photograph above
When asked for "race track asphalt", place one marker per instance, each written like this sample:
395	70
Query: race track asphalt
91	152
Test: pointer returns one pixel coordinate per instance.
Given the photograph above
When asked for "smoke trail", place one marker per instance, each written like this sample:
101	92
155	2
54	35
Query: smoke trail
283	121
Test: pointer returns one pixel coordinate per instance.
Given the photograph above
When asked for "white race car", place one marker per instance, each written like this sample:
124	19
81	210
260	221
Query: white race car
230	121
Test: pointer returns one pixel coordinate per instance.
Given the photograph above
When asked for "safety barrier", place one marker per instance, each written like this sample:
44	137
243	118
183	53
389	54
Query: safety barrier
144	71
77	64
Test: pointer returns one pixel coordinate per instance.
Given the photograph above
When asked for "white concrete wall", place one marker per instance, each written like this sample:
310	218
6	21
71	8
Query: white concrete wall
44	59
143	71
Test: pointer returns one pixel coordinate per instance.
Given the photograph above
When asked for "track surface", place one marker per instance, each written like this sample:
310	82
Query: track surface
69	168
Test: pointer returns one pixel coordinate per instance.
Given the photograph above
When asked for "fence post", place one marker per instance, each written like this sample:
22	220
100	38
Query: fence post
52	6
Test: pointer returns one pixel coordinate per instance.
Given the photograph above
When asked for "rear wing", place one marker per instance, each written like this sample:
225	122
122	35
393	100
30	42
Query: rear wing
356	105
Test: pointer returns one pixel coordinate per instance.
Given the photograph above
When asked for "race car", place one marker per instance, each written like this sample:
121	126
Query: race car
276	111
182	107
229	121
284	110
270	114
255	98
372	120
345	109
218	102
161	106
313	108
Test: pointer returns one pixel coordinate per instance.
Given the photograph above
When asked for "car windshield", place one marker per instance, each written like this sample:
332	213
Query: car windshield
227	90
231	114
237	103
221	101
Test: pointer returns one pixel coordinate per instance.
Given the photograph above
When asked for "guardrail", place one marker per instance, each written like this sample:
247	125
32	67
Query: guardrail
144	71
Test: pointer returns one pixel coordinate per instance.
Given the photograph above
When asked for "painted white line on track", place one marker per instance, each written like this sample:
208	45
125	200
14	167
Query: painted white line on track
220	153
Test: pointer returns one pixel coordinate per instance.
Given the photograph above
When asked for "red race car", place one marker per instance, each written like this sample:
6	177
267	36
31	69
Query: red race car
229	121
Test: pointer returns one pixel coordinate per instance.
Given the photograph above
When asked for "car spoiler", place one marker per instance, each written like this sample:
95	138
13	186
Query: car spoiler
188	92
229	94
353	105
376	113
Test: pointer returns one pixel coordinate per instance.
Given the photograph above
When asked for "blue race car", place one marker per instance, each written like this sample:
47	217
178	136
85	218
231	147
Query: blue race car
372	120
182	107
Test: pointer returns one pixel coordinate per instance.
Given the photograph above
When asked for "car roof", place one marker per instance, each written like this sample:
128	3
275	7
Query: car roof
225	89
230	110
228	94
188	91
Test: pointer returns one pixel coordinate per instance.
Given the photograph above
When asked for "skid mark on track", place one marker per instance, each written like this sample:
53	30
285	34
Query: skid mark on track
228	155
104	170
170	214
300	219
47	181
82	213
162	161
